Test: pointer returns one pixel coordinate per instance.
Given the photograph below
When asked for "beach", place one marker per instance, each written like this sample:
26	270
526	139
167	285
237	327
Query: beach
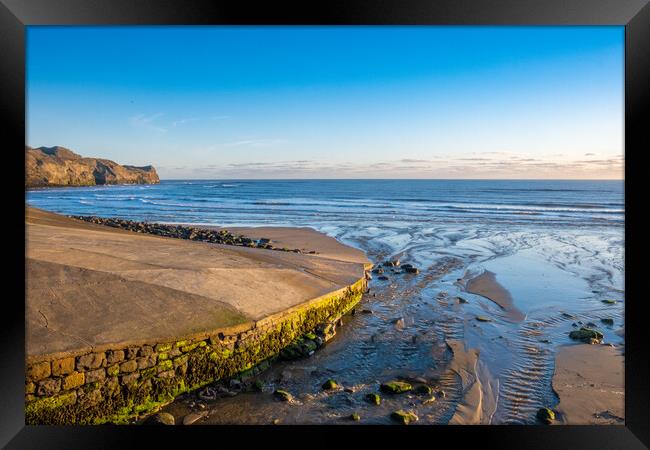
94	292
479	330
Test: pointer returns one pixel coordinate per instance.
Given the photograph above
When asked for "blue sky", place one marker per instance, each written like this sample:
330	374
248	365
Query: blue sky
333	102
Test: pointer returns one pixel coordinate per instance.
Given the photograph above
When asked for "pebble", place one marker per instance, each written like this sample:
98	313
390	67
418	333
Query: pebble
194	417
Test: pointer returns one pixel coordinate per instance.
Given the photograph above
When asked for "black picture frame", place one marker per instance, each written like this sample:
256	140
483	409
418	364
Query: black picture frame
15	15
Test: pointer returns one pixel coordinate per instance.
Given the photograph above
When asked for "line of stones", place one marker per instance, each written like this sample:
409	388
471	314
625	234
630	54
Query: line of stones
224	237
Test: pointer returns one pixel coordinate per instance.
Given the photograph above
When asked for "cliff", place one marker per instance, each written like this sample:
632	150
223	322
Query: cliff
59	166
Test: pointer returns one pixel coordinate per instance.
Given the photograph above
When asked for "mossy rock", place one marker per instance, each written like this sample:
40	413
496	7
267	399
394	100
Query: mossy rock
330	384
403	417
585	334
546	415
373	398
423	389
283	395
609	301
483	319
310	336
461	300
396	387
356	417
608	321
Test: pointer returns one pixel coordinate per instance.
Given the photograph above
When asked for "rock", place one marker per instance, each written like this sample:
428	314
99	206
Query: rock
59	166
258	385
546	415
608	321
160	419
375	399
383	278
275	421
429	400
609	302
399	323
585	334
395	387
283	395
441	394
423	389
403	417
483	319
354	416
194	417
568	316
393	263
235	384
414	270
348	390
330	384
366	311
461	300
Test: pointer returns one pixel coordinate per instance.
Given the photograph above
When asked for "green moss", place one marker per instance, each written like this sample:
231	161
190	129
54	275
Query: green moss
330	384
163	356
403	417
180	344
163	348
189	348
396	387
165	365
113	370
375	399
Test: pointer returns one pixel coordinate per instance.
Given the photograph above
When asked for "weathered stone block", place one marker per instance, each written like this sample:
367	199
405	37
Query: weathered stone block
146	350
166	374
114	356
128	366
49	386
174	352
30	388
130	378
113	370
163	347
74	380
132	352
189	348
63	366
95	375
38	371
91	361
146	361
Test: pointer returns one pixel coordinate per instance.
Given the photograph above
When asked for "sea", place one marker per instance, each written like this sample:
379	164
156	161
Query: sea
557	246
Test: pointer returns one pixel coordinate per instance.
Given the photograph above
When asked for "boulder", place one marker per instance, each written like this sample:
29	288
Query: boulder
330	384
395	387
545	415
160	419
403	417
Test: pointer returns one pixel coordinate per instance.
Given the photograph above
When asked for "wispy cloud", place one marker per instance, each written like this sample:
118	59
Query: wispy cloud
144	121
184	121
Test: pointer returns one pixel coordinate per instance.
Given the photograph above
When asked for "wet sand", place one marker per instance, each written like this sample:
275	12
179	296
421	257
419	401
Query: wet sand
486	285
589	379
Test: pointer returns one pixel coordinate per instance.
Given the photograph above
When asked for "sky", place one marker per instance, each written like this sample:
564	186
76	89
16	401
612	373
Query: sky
215	102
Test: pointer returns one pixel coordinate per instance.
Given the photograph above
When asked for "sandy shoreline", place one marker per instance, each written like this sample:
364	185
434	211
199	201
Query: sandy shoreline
486	285
589	379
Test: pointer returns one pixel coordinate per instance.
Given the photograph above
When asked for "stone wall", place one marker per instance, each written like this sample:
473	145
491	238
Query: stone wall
120	382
